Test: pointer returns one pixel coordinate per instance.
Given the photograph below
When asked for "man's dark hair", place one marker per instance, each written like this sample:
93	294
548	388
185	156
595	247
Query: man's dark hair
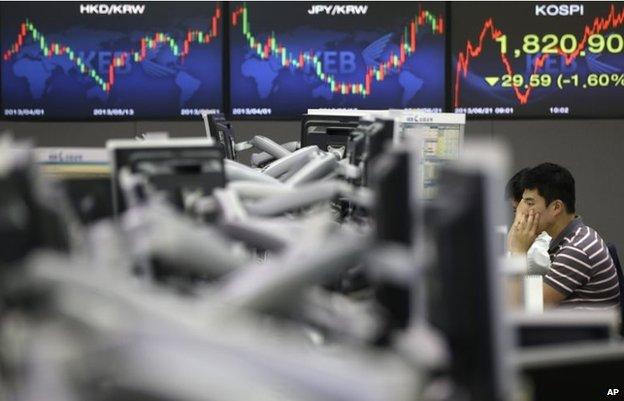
514	188
552	182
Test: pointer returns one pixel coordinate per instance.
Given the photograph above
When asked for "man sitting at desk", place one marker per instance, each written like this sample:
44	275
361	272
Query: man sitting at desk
582	274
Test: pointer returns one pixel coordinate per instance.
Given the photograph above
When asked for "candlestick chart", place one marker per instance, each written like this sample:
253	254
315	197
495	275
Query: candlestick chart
74	61
287	57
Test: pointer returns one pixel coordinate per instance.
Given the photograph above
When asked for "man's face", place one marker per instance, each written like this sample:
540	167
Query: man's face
531	200
515	205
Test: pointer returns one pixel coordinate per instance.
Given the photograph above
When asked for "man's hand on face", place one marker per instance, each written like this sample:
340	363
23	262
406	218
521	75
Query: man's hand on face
523	231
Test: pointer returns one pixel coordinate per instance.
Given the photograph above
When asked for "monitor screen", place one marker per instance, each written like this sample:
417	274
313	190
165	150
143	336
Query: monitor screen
538	60
286	57
107	61
175	167
437	139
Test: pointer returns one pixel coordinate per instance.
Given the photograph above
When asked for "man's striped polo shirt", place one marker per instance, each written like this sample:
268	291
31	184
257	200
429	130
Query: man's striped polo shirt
582	268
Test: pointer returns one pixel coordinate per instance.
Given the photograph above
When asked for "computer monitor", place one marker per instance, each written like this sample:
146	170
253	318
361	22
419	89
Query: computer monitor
392	211
221	130
77	61
439	138
573	68
286	57
548	371
393	219
174	166
209	125
85	176
464	290
380	137
32	212
327	131
227	139
90	197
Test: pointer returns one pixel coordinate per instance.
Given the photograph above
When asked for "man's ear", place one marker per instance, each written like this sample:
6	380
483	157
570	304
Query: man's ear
558	207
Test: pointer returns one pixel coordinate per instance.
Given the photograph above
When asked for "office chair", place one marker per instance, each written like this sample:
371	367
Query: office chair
620	274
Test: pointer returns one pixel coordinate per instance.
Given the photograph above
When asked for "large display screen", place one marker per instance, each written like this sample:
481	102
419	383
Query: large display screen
80	61
287	57
538	59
